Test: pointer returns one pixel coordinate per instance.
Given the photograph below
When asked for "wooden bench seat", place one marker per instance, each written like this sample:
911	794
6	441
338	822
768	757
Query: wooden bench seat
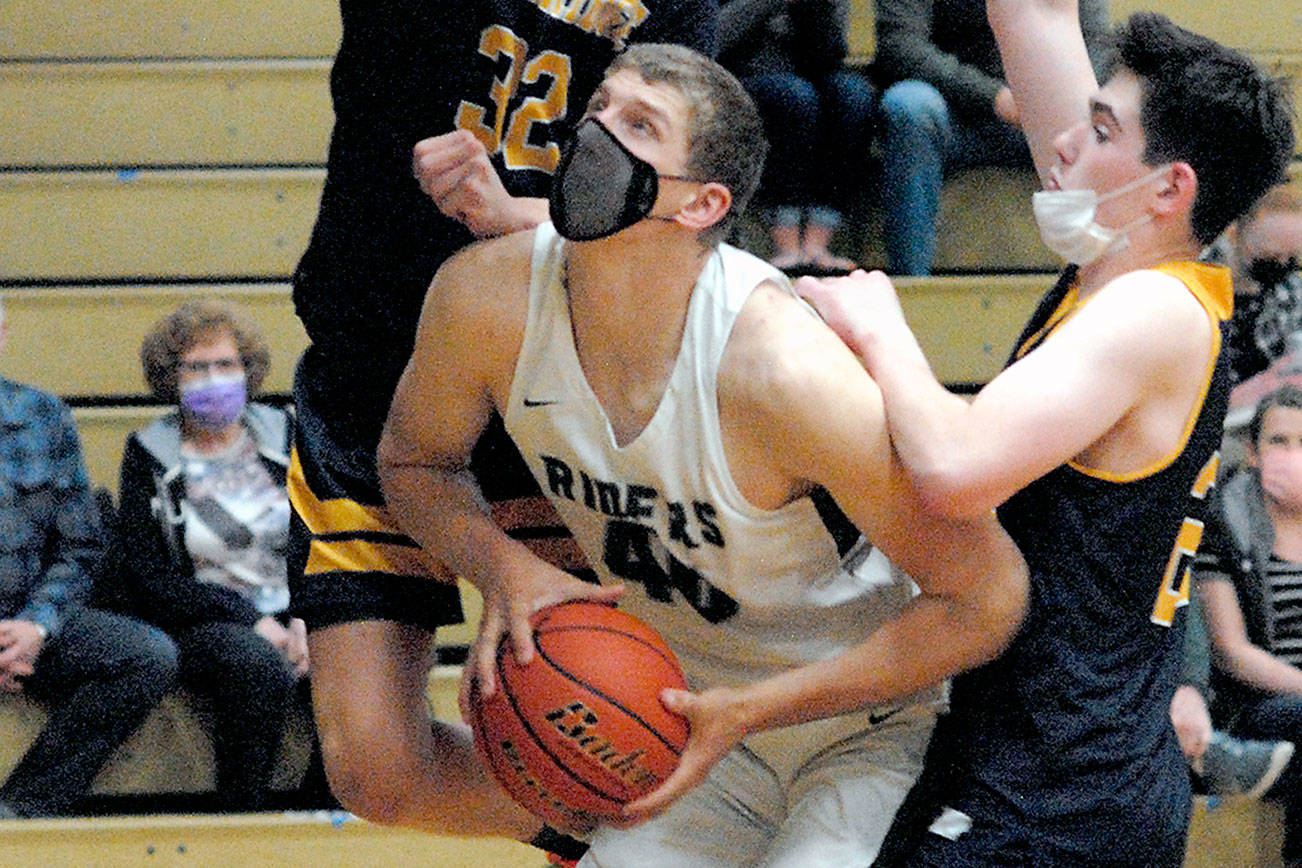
1235	833
69	226
171	752
45	29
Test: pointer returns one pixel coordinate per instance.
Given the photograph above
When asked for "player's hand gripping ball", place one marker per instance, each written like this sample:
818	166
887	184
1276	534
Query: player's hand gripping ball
580	731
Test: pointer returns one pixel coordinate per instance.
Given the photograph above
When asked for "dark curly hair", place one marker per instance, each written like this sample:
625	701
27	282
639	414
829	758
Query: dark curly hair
1211	107
177	333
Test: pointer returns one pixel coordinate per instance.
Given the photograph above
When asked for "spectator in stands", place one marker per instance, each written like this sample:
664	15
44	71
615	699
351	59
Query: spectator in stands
945	106
1262	249
203	522
818	116
1249	574
1222	764
99	674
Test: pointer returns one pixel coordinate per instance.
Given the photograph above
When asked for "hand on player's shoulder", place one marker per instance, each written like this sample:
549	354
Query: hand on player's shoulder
861	307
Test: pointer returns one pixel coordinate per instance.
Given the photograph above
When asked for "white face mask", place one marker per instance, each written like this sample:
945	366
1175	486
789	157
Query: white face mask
1067	226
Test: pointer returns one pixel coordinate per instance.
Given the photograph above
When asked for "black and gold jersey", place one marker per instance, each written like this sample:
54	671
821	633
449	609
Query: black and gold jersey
1073	719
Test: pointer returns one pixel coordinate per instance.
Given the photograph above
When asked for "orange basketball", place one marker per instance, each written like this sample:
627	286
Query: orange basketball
581	730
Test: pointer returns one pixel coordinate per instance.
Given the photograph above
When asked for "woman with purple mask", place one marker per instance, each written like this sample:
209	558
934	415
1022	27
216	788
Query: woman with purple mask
203	524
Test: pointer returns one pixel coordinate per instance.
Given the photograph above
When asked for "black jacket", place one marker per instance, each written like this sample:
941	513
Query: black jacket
156	569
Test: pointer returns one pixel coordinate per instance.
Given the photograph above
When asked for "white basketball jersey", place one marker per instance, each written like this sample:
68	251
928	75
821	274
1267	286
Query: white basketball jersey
740	593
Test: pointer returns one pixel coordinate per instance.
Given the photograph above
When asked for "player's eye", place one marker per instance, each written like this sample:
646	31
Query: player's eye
643	126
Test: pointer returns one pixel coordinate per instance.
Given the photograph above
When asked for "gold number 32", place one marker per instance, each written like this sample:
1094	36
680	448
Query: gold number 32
508	131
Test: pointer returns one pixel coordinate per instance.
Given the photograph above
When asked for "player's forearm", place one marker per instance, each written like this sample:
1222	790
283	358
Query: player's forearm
932	638
931	433
440	509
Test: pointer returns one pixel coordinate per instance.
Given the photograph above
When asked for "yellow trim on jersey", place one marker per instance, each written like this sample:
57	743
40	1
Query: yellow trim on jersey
336	515
364	556
1066	307
1210	285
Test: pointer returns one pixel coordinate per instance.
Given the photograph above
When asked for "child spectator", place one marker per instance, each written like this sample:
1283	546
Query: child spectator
1222	764
1249	577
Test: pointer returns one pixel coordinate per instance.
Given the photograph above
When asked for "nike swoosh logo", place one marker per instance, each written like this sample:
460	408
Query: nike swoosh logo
875	718
530	402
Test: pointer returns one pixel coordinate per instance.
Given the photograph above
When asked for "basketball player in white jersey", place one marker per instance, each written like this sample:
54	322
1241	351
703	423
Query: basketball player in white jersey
689	417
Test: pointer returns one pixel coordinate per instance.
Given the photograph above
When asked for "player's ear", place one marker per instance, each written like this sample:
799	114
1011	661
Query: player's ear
1179	187
705	206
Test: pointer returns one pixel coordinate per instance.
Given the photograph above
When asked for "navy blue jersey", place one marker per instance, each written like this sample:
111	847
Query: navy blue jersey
515	72
1072	722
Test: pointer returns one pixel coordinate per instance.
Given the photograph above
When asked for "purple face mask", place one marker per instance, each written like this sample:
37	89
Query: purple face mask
214	402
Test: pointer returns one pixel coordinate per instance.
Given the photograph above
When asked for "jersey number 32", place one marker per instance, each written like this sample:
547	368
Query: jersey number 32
507	129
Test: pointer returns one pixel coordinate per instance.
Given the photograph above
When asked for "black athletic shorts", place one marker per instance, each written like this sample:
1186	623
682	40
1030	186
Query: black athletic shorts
348	559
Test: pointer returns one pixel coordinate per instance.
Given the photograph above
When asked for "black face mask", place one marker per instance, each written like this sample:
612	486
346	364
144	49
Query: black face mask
1269	273
600	186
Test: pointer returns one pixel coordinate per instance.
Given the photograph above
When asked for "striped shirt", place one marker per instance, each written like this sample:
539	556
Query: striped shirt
1284	585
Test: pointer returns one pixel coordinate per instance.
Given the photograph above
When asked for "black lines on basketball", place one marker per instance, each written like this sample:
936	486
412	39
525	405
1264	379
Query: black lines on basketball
581	729
596	691
524	719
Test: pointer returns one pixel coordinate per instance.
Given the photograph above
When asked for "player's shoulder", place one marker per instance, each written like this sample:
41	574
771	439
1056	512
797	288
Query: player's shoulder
506	251
1149	305
485	274
780	351
1149	290
1145	319
775	321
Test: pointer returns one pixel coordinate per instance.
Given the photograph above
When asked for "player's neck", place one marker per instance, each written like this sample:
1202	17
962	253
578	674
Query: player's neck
1146	247
615	283
627	314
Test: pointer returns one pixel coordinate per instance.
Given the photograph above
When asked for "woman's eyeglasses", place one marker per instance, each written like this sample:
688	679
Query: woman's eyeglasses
200	366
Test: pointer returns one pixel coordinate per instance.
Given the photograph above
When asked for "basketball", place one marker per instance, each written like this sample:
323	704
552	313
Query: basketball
580	731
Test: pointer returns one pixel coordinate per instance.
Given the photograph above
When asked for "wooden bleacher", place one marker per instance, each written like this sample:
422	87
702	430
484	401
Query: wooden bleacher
260	840
966	324
157	150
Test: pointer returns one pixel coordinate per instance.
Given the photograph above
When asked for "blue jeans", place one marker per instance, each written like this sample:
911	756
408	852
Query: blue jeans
819	132
923	140
99	677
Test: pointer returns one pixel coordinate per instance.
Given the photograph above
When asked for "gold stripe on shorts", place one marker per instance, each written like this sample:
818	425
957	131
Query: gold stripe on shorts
364	556
335	515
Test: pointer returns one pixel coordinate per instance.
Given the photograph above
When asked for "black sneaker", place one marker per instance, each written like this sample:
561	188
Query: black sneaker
1242	767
